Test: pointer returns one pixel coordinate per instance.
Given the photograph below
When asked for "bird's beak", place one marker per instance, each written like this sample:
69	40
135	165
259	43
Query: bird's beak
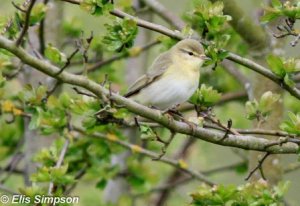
204	57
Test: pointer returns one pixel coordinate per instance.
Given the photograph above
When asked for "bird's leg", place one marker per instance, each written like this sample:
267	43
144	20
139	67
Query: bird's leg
165	146
174	113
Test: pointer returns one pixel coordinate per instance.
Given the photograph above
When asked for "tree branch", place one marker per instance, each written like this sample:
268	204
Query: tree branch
231	56
140	150
240	141
165	14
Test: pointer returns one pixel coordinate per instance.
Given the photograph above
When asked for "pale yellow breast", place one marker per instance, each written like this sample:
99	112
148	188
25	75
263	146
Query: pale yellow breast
184	71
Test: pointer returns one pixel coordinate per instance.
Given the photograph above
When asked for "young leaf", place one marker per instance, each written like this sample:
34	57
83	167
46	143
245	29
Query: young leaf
54	55
292	125
205	96
96	7
276	65
120	35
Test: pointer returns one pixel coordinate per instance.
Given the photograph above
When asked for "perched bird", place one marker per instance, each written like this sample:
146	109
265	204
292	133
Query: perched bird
173	77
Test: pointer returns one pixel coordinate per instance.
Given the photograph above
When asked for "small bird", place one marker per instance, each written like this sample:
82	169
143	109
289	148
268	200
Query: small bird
172	78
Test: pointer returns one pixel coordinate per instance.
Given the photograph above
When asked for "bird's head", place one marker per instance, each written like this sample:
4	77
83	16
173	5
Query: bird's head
189	52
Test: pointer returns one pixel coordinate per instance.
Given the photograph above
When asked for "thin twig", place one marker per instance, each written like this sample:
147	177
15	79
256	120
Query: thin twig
165	146
18	7
256	131
11	167
244	142
84	93
41	33
175	175
259	167
59	163
140	150
226	128
78	176
117	57
181	181
68	62
26	23
85	50
50	92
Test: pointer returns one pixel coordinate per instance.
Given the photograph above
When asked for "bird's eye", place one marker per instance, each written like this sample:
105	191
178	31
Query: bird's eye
191	53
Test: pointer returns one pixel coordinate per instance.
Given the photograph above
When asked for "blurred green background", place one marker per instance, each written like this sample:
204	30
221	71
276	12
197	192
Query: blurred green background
204	156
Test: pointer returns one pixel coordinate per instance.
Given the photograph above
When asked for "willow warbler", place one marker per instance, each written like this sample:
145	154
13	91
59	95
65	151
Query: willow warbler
172	78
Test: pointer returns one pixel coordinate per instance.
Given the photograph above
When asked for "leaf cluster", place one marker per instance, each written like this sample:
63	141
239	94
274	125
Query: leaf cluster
292	125
262	108
207	18
279	9
96	7
120	35
256	193
205	96
283	68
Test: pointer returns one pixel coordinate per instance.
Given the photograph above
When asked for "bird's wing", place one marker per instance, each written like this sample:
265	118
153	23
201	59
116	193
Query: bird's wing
159	66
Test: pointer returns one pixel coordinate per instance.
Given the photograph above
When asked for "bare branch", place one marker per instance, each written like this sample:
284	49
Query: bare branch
165	146
68	61
259	167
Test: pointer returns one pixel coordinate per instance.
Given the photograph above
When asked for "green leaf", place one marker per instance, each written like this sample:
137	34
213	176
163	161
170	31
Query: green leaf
54	55
96	7
242	168
251	109
120	35
268	16
2	80
38	13
205	96
208	20
267	100
73	27
89	122
276	65
254	193
289	81
290	65
276	4
42	175
292	125
147	133
35	120
101	184
65	100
